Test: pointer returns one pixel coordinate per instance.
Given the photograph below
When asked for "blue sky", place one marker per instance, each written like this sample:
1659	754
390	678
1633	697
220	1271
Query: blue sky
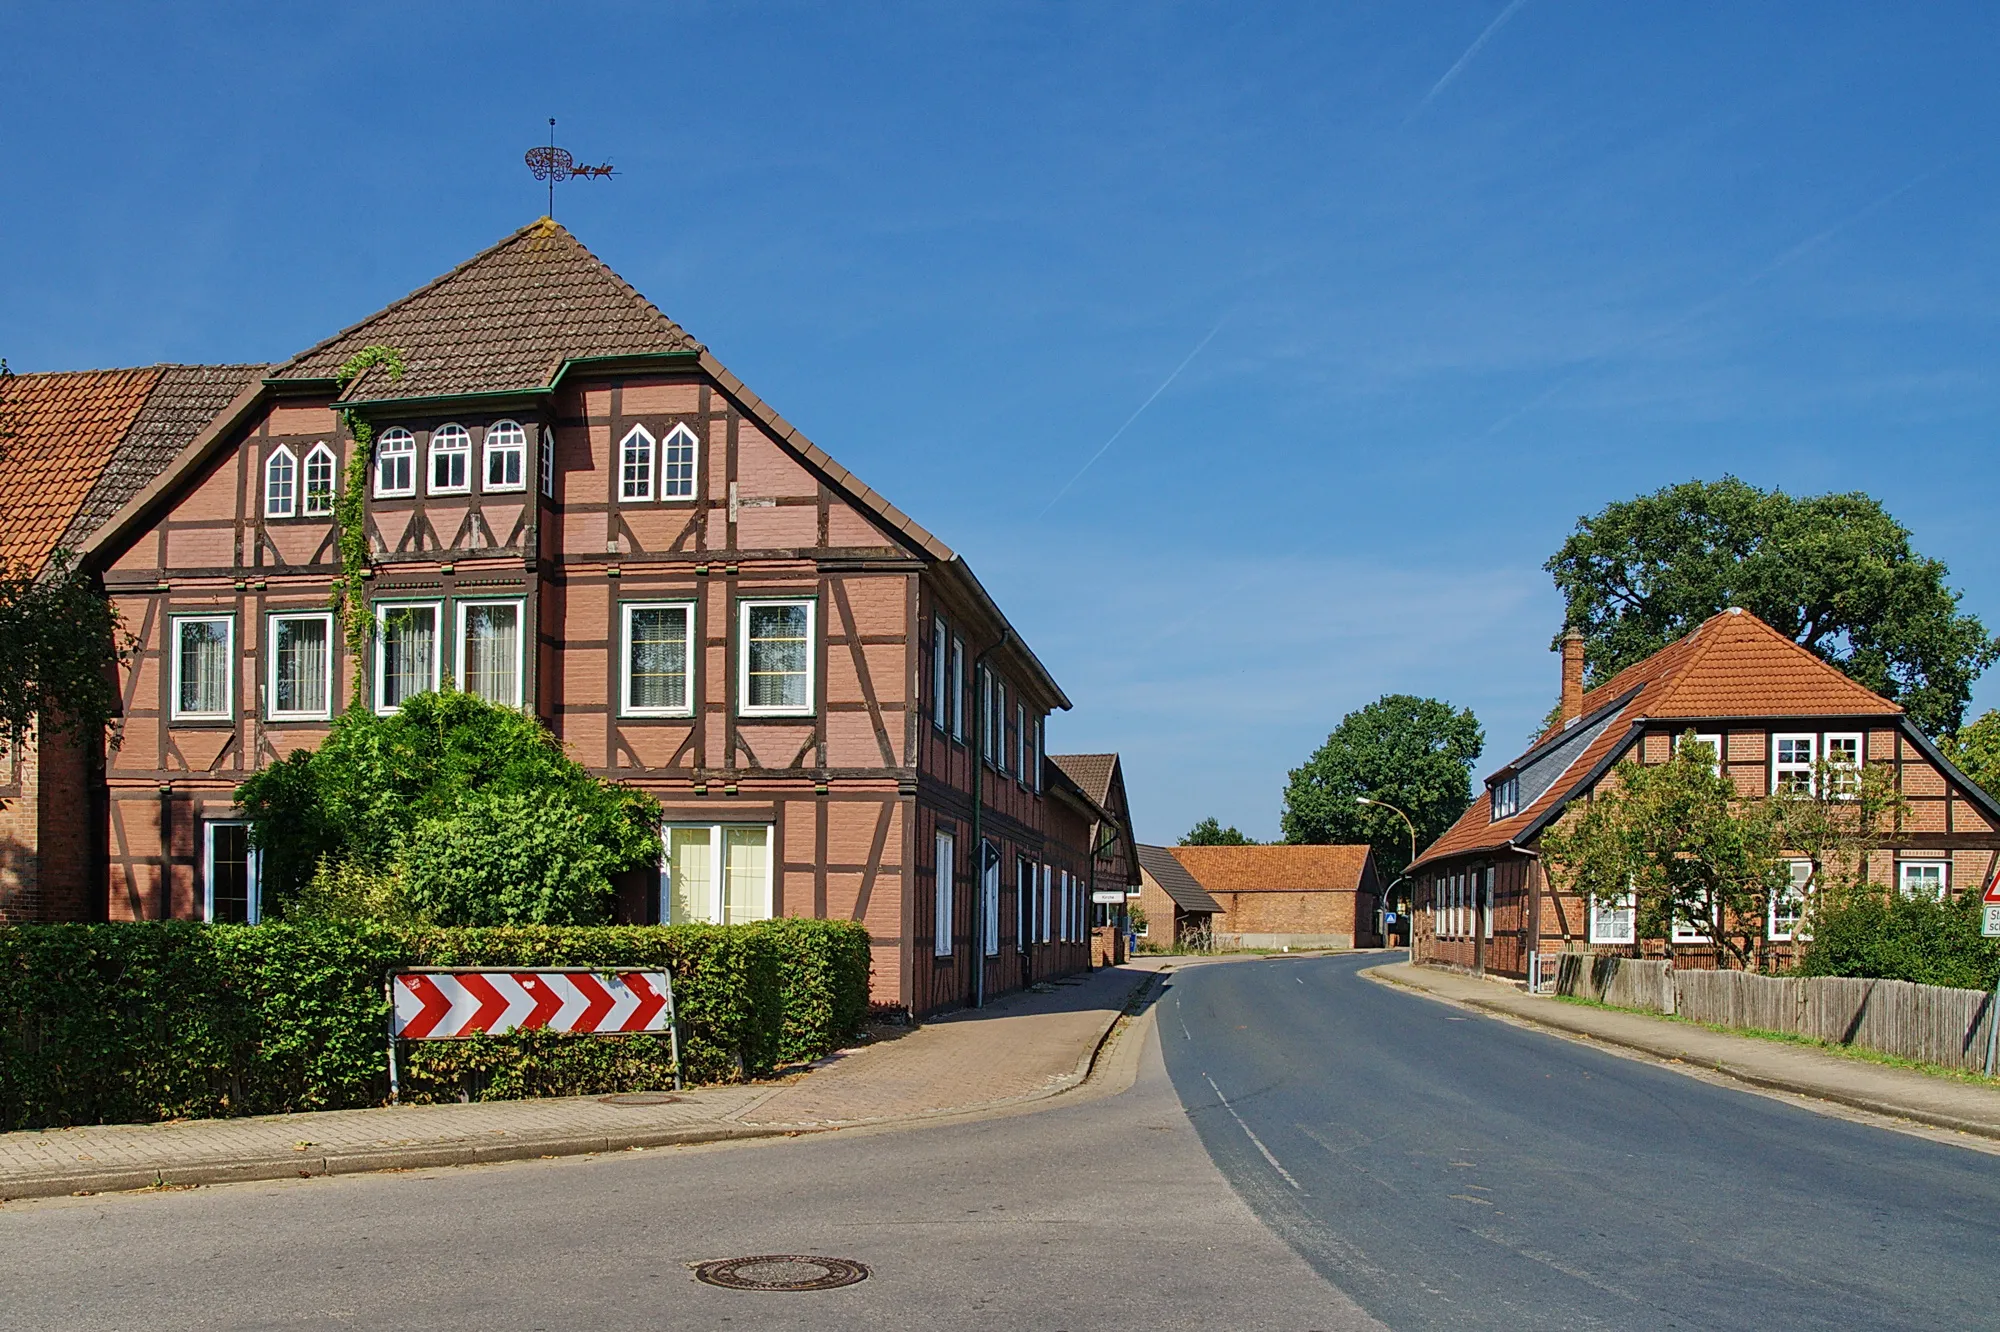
1458	273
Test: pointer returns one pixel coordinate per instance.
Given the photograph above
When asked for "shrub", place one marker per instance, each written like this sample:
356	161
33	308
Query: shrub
1912	939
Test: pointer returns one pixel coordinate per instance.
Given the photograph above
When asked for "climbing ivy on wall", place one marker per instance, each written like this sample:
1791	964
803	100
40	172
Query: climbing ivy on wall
350	510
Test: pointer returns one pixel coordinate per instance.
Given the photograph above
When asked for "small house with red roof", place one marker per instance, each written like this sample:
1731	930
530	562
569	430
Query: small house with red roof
1771	711
1289	896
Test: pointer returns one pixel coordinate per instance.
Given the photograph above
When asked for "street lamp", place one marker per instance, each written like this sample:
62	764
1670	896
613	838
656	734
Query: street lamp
1364	800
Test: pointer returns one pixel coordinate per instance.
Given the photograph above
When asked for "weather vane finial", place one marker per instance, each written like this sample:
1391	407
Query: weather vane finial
553	164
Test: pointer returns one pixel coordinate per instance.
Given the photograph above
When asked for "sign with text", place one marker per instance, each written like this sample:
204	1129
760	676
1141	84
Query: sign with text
1990	926
1110	898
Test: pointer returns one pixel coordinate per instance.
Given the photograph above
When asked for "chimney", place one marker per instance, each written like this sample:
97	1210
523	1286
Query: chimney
1572	695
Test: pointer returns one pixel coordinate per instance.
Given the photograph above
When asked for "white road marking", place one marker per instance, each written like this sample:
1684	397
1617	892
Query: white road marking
1255	1141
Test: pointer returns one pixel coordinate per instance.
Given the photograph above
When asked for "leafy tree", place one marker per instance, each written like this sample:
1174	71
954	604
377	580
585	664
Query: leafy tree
1210	833
473	809
1834	572
1413	753
1975	750
1892	937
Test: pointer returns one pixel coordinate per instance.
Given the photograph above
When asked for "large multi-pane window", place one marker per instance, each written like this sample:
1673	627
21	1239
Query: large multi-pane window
635	465
659	681
407	660
1792	763
230	888
716	873
940	675
1613	922
281	483
941	941
320	467
301	666
395	463
489	650
678	454
776	659
1788	906
203	649
506	456
1923	878
1842	755
451	460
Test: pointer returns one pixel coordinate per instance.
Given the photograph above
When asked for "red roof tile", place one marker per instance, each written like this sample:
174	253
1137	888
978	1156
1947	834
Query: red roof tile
63	428
1275	869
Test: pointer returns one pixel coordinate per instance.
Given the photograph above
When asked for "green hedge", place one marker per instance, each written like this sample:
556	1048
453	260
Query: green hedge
131	1022
1904	938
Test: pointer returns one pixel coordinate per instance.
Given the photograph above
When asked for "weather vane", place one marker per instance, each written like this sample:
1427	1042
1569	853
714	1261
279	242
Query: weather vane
553	164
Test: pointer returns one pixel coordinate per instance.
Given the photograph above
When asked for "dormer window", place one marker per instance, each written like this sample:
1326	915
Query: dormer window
451	460
506	456
1506	798
320	467
396	463
281	481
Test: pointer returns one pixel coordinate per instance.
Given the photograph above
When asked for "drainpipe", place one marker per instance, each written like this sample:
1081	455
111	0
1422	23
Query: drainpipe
985	692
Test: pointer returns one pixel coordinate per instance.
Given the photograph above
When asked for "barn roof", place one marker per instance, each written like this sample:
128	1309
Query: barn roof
1276	869
1091	772
1175	881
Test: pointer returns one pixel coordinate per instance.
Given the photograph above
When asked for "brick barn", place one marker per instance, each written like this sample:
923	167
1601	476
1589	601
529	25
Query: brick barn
573	508
1177	909
1289	896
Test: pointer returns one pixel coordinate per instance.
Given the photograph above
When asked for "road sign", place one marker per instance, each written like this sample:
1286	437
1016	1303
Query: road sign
1992	897
450	1005
1990	926
1111	898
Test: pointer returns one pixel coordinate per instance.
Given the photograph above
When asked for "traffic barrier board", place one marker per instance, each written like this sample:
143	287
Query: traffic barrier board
451	1005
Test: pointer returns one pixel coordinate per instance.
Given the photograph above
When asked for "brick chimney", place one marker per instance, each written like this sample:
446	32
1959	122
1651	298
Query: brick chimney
1572	695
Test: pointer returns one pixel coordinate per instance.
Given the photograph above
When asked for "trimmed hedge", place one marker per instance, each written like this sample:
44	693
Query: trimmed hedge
131	1022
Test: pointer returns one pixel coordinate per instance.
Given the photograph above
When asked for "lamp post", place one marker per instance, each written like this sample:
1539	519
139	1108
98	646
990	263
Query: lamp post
1412	892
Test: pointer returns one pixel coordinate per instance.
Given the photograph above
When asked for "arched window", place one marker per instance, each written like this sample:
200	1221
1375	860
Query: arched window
451	460
678	454
635	465
396	463
281	482
320	466
506	456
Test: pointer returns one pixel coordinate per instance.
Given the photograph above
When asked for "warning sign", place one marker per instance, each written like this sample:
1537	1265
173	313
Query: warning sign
1992	897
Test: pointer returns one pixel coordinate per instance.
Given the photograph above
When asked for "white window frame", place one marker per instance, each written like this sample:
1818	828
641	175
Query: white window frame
548	442
1628	906
382	610
254	889
989	901
228	712
1779	772
635	483
324	711
717	862
999	736
1506	799
945	876
396	443
1048	890
1041	749
1485	902
1801	875
1683	932
1024	903
1943	867
957	688
986	715
1714	742
288	507
744	708
450	440
319	503
1849	788
940	674
626	706
680	437
498	444
459	610
1021	743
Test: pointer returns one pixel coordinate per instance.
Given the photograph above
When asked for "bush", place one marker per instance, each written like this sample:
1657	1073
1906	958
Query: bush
130	1022
1912	939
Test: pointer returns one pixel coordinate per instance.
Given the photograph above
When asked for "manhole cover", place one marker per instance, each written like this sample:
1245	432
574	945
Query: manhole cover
781	1271
640	1098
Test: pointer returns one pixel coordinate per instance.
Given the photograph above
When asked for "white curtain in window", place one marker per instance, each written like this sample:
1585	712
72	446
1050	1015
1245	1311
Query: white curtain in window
204	668
690	888
746	875
409	652
302	658
941	944
990	892
491	652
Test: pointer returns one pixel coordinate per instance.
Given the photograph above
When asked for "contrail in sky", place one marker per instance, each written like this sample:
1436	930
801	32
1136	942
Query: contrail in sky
1134	416
1470	52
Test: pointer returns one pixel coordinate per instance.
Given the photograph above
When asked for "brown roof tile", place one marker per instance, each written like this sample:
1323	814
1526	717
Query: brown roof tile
1275	869
1092	772
64	428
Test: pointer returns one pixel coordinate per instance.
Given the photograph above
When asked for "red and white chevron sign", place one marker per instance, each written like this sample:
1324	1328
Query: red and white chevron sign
445	1005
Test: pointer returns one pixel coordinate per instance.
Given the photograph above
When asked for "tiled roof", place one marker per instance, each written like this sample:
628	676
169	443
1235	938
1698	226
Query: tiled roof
1275	869
1092	772
1732	665
505	319
1174	880
64	427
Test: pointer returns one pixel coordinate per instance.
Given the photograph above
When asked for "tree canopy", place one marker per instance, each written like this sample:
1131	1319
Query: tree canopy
472	812
1834	572
1975	751
1413	753
1211	833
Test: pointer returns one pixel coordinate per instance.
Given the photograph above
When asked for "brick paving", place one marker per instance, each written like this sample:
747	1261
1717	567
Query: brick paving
1020	1047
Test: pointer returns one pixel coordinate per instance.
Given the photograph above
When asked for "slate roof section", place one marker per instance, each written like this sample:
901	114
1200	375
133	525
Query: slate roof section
64	427
1276	869
1175	881
1092	772
505	320
1733	665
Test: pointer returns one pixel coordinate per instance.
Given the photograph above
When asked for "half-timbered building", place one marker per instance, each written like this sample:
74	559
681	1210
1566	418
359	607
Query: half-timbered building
1772	713
571	507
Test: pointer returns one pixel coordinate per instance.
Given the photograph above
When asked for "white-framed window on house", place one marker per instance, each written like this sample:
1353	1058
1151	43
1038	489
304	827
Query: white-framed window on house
715	873
1786	918
1048	892
989	903
548	461
1842	754
1613	922
1687	931
998	741
489	650
1022	743
1714	743
1928	879
635	465
230	874
680	451
1486	899
506	456
1506	799
1024	903
957	688
986	713
281	483
775	659
1792	758
300	653
320	468
407	660
947	870
204	656
1041	749
940	675
659	675
395	463
451	460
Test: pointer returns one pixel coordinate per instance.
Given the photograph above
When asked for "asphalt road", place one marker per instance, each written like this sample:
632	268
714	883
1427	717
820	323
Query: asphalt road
1452	1171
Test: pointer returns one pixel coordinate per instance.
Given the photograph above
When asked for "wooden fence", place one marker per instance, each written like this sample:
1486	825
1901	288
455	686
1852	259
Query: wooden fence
1927	1022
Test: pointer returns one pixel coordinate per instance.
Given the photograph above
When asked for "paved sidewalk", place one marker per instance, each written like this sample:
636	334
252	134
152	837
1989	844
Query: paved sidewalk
1022	1047
1776	1065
